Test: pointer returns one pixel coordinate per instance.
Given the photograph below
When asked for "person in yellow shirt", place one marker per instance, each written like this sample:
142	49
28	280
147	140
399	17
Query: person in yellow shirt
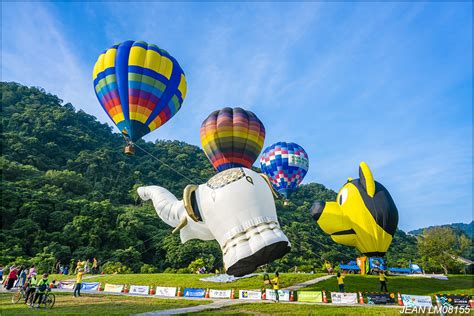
79	265
383	281
30	288
95	266
77	288
328	267
340	282
276	286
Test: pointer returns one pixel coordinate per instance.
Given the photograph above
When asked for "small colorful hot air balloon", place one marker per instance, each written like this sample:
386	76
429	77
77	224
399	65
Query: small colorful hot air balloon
232	138
139	85
285	164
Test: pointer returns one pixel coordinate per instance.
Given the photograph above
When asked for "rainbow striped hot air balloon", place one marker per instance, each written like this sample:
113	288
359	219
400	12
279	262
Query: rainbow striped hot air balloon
285	164
232	138
139	85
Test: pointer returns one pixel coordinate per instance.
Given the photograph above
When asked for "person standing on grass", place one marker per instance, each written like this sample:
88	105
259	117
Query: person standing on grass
30	288
78	266
86	266
340	282
95	266
276	286
328	267
383	281
32	270
23	275
77	289
22	278
12	277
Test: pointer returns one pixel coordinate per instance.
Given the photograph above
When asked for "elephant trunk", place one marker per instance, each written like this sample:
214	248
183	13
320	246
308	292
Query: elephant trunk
167	206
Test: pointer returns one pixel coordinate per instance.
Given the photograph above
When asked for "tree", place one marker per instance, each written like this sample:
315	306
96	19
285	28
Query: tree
439	247
69	192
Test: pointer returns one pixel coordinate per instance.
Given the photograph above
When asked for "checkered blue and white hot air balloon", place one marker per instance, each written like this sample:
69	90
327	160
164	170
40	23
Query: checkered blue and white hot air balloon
285	164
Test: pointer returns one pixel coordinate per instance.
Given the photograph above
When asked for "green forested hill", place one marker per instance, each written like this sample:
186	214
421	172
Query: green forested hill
68	192
460	228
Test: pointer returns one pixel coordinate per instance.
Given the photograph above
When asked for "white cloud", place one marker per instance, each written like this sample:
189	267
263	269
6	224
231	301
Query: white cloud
346	87
35	52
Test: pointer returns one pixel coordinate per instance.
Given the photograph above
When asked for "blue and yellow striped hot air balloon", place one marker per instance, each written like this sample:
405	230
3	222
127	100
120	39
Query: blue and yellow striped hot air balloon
139	85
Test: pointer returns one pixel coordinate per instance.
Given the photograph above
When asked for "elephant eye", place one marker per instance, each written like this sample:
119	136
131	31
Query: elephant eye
343	196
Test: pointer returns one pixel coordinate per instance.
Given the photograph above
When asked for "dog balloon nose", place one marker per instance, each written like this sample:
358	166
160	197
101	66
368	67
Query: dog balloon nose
317	209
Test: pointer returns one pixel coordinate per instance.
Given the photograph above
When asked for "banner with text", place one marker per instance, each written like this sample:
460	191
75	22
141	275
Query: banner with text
283	295
343	298
416	300
453	300
114	288
250	295
380	298
219	293
67	285
192	292
90	286
310	296
165	291
139	289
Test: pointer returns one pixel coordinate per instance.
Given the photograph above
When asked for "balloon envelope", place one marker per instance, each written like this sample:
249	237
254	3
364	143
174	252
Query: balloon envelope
139	85
232	137
364	215
285	164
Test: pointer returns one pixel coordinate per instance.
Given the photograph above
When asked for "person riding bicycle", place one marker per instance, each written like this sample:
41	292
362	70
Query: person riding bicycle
41	288
30	287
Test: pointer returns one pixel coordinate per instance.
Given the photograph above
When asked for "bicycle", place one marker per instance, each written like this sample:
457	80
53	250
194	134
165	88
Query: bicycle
20	295
48	299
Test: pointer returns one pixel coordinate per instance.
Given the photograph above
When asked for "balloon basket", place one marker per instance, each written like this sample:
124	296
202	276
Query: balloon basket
129	150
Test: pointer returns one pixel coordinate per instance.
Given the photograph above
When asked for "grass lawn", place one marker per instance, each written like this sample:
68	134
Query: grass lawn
66	304
298	309
192	280
457	284
61	277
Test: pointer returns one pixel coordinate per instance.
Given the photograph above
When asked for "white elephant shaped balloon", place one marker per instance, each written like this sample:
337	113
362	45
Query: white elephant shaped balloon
236	208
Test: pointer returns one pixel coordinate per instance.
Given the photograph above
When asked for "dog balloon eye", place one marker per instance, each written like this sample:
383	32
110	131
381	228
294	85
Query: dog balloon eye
343	196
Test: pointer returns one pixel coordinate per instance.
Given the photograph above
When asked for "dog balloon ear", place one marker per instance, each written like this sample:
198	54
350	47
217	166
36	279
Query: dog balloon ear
367	179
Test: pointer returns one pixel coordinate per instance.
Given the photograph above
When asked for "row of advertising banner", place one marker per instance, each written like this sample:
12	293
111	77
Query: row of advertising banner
453	300
284	295
86	286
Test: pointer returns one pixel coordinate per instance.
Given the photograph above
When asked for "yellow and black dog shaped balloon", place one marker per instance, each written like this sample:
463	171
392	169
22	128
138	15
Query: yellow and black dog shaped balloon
364	215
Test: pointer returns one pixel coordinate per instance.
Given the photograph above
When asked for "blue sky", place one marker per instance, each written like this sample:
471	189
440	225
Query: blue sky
390	84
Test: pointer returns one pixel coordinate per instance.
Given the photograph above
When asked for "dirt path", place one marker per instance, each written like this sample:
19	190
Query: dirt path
307	283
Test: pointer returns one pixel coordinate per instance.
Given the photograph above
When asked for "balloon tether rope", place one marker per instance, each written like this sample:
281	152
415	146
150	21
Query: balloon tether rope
164	163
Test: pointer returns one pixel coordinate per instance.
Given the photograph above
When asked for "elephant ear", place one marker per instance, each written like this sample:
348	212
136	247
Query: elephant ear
367	179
